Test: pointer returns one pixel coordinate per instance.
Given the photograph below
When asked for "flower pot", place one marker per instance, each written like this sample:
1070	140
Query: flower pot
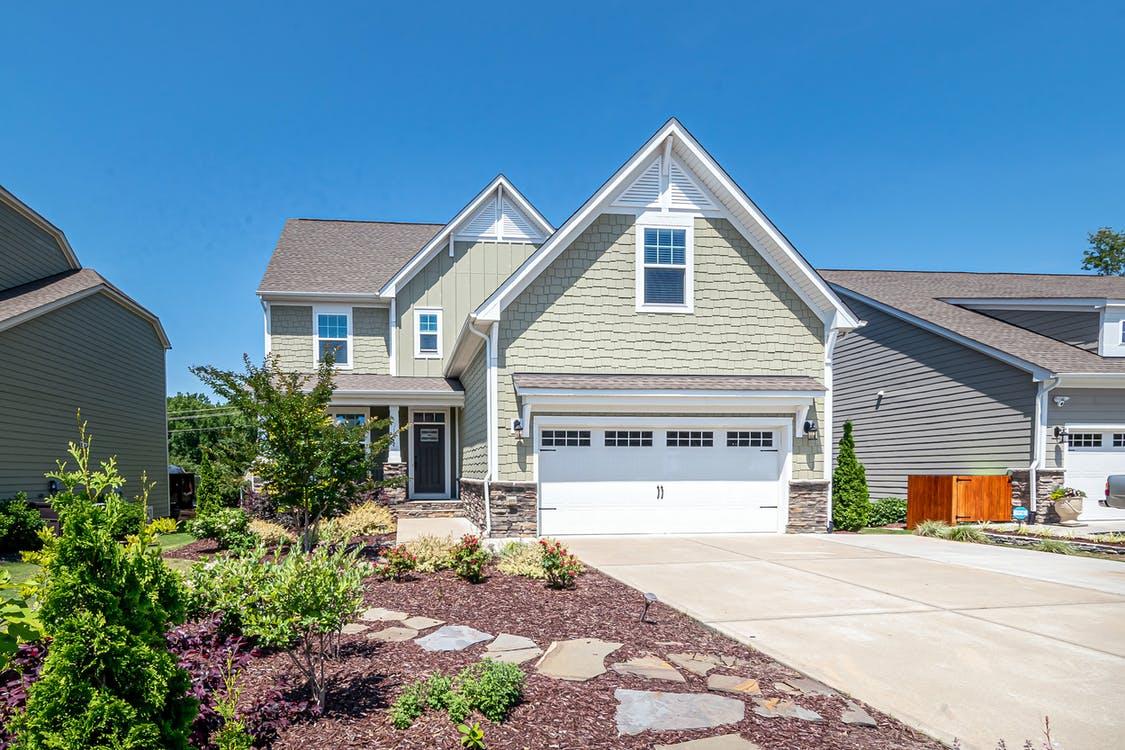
1068	510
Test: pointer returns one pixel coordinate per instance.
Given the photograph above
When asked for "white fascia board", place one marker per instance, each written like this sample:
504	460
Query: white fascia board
465	347
329	298
1037	373
446	235
491	308
1091	380
37	219
396	398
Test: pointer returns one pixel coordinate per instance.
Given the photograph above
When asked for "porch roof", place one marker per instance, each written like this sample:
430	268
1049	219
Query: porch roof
361	387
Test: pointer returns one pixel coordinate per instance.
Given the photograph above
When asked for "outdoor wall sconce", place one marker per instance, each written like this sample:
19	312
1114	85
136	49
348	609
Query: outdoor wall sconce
52	486
1060	434
517	427
1060	401
810	428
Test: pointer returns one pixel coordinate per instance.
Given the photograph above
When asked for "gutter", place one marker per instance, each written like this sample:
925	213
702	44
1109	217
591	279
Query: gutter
1039	447
489	421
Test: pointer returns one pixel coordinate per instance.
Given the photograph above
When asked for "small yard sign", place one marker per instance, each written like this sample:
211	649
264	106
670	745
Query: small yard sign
1019	513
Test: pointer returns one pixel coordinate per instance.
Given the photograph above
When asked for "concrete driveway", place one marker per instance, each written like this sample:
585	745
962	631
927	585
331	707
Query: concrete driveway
959	640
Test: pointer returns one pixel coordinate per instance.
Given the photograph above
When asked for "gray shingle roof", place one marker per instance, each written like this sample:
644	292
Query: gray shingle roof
28	297
923	294
594	381
358	381
357	257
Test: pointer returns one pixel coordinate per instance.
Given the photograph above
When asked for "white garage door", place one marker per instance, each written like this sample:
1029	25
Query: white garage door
676	479
1091	456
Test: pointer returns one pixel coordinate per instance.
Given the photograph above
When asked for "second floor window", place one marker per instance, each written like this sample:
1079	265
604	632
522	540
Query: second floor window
427	340
664	265
332	337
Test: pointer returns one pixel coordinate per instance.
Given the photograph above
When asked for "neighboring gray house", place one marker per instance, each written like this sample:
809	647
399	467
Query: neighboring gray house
70	340
985	373
660	363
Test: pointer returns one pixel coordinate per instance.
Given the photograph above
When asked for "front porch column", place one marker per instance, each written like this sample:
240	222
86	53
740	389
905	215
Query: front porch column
394	451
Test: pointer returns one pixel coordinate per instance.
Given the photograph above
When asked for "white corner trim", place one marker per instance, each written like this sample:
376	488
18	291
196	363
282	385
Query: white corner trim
392	336
38	220
267	326
319	310
491	408
1037	372
416	313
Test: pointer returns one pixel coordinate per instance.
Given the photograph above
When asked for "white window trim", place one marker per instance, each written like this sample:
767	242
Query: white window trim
411	494
655	220
418	353
344	310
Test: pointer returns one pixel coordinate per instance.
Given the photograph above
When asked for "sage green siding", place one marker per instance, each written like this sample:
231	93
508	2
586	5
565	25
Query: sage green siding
92	355
580	315
291	336
27	251
457	285
474	420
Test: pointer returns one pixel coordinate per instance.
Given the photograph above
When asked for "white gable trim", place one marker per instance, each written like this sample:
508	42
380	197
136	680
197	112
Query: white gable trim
498	193
680	147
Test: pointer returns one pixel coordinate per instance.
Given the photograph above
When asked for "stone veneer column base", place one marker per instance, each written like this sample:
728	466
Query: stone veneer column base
808	507
1046	481
471	493
394	496
514	509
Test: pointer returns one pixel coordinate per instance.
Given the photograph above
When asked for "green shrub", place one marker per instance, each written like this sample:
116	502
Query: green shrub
887	511
18	623
938	529
125	518
1056	546
397	562
472	737
522	559
162	526
431	553
560	568
409	705
230	586
19	525
967	533
228	527
491	687
108	680
851	503
232	735
469	559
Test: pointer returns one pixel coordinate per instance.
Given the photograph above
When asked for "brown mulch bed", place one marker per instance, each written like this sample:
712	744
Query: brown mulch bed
554	713
200	549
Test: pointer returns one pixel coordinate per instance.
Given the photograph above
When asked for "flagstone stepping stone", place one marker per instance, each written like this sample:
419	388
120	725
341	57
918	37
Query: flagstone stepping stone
577	660
644	711
809	686
378	614
853	714
699	664
786	688
393	635
722	742
422	623
509	642
352	628
452	638
512	649
651	667
774	708
733	684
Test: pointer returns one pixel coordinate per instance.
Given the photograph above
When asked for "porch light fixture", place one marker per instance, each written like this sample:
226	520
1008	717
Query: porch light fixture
810	428
1060	401
1060	434
517	427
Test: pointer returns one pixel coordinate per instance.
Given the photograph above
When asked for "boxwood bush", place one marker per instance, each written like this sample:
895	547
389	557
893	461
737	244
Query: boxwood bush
19	525
887	511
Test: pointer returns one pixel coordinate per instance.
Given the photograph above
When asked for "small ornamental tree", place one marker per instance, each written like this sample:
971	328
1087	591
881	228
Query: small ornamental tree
851	503
311	466
108	680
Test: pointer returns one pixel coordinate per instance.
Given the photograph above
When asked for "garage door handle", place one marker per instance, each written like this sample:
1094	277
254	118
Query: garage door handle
659	492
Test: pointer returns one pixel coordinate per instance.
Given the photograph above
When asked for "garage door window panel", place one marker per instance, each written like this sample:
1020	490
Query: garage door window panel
1085	440
749	439
690	439
628	438
565	439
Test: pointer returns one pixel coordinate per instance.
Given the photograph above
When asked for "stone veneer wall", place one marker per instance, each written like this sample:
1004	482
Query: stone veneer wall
808	507
514	507
472	500
1046	481
394	496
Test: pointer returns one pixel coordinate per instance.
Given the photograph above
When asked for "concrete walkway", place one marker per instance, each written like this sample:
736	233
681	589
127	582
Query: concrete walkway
410	529
959	640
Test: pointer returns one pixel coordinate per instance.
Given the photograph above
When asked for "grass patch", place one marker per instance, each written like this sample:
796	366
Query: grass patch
881	530
174	541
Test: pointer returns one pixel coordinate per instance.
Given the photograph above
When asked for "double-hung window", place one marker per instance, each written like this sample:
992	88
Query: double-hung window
427	336
333	336
664	267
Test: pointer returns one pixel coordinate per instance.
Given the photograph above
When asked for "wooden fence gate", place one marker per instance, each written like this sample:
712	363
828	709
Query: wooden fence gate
954	498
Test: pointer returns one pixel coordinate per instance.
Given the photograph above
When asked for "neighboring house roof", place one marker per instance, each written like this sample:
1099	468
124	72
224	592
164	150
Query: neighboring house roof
36	218
347	382
923	294
675	145
28	301
341	257
584	381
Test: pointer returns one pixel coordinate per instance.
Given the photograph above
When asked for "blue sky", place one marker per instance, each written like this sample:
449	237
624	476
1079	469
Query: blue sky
170	142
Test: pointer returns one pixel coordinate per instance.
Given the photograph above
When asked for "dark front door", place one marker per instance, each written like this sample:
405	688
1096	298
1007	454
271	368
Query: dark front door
429	459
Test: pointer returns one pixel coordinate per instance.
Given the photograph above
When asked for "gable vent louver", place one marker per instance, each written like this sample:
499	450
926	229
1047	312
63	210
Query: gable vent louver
514	225
683	192
645	190
483	223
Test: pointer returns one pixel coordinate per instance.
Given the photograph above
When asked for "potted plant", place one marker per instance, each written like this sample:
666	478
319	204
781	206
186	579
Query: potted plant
1068	504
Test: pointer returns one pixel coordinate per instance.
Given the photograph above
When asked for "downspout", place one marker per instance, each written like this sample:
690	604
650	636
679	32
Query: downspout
1039	446
490	418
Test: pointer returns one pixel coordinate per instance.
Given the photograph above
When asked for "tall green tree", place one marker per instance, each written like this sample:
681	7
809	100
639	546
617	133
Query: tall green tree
213	441
312	467
108	680
1106	255
851	502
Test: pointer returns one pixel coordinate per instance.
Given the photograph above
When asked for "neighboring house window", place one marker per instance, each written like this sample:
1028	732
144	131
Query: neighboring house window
1085	440
565	438
628	438
749	439
427	339
333	336
692	439
664	268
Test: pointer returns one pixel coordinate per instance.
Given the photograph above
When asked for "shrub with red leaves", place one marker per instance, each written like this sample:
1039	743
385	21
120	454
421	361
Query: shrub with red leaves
14	684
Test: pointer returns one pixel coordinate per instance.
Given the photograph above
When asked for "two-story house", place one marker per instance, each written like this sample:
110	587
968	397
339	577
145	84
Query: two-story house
660	363
986	373
70	341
